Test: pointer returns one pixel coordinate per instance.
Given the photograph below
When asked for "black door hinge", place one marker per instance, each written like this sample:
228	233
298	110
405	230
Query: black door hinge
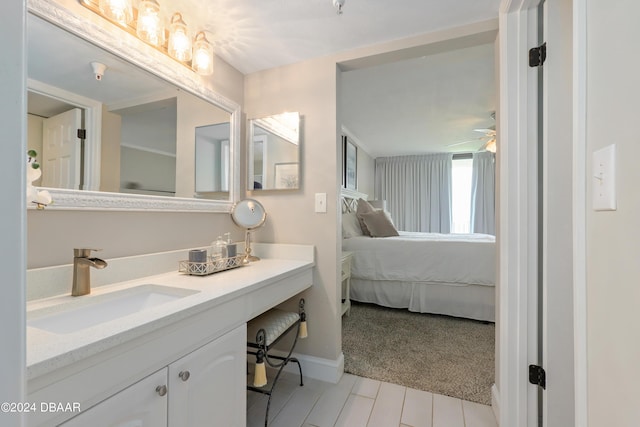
537	376
82	134
537	55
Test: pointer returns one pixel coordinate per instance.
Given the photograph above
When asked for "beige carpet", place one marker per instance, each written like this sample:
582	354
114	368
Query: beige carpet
440	354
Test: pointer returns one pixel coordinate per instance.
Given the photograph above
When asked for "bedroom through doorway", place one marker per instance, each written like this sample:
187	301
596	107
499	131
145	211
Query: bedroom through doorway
421	313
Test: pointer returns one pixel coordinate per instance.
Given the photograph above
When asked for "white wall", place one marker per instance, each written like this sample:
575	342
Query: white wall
557	187
13	108
613	238
366	173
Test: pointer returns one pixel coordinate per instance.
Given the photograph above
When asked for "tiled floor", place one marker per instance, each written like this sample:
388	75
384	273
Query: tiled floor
362	402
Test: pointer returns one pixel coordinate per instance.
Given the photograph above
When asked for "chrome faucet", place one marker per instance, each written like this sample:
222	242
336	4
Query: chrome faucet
81	273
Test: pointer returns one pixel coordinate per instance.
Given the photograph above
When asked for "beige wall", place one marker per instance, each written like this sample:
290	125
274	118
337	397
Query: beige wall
110	151
310	89
192	112
613	238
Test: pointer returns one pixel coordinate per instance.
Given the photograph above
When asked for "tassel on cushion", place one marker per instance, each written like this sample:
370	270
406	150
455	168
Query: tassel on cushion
260	375
302	333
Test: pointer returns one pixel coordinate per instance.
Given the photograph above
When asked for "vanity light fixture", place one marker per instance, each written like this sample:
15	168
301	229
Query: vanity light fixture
202	55
120	11
179	40
150	27
146	23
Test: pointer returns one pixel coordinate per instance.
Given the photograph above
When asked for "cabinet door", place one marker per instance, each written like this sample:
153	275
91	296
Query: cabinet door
139	405
208	386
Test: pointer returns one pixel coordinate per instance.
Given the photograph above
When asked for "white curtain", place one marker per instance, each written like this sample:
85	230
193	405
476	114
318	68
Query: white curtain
483	200
417	190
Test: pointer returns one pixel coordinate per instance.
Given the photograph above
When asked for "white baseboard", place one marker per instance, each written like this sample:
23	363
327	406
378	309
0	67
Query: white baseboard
317	368
495	402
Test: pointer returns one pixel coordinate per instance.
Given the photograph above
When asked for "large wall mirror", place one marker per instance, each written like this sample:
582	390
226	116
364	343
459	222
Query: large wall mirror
274	154
156	140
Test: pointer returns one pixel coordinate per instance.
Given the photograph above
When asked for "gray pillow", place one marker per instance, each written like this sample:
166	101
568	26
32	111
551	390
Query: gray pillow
378	224
350	225
362	208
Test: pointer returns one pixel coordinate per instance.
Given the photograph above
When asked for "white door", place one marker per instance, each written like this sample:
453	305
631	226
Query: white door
208	386
61	150
140	405
557	238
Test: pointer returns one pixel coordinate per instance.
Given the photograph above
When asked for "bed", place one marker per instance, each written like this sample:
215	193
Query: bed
450	274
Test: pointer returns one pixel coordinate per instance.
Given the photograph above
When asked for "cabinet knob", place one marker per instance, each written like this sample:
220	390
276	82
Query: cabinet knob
161	390
184	375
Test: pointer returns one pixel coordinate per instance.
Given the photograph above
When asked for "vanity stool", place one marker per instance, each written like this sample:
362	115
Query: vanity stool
268	329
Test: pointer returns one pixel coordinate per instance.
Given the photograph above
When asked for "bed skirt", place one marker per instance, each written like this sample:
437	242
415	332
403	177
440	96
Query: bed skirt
453	299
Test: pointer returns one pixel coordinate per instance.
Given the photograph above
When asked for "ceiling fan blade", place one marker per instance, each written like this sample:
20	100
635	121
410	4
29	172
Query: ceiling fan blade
488	131
466	142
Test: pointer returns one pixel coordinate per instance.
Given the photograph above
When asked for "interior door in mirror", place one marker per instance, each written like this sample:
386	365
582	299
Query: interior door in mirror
274	154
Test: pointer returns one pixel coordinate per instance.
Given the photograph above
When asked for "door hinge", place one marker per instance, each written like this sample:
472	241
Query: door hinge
82	134
537	376
537	55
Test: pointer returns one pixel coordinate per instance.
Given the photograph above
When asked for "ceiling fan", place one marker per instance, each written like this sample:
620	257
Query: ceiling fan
488	139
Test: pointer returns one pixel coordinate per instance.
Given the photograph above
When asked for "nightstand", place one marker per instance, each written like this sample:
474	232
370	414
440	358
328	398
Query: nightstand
346	282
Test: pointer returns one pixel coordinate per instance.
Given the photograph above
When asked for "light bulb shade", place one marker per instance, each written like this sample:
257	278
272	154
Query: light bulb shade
119	11
491	146
149	27
202	55
179	40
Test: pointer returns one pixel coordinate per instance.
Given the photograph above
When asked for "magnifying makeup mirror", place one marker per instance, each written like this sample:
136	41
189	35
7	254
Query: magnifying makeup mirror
250	215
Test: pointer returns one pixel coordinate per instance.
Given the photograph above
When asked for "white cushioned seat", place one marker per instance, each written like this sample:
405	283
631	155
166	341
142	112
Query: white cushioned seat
274	322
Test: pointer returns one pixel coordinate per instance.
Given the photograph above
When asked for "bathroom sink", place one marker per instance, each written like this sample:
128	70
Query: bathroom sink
91	310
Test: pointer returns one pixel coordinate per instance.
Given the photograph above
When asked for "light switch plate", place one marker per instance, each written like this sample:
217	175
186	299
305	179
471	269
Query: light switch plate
604	179
321	202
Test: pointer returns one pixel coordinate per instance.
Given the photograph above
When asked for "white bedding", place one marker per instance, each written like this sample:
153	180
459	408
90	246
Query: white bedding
424	257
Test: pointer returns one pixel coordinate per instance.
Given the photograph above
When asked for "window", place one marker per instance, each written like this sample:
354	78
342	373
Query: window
461	171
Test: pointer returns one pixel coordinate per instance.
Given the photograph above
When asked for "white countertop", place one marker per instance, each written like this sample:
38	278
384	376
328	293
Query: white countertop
47	351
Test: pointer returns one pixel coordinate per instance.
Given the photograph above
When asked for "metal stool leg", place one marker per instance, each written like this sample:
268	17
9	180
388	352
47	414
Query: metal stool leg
263	354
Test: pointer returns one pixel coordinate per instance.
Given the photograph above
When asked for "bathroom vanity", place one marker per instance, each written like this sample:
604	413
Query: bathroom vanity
161	350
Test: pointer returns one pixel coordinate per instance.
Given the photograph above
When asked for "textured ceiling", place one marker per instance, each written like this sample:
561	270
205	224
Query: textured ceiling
254	35
423	104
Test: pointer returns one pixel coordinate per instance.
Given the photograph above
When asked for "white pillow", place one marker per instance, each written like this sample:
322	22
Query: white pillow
350	225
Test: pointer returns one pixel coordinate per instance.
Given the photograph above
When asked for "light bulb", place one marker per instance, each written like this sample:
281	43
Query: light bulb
179	40
202	55
491	146
149	27
119	11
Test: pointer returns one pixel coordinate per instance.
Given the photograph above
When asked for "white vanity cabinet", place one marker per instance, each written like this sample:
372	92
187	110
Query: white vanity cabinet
206	384
140	405
209	384
197	344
